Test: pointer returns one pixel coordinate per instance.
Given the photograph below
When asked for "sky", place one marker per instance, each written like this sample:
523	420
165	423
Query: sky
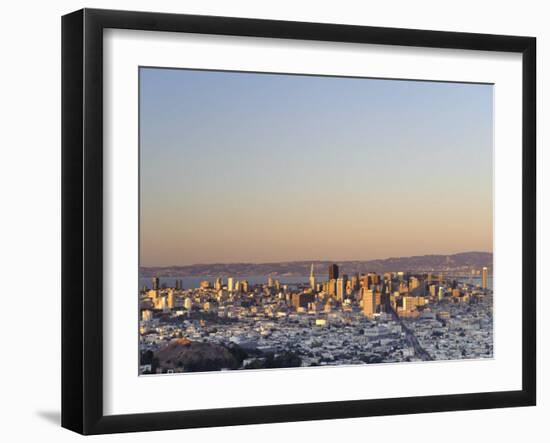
250	167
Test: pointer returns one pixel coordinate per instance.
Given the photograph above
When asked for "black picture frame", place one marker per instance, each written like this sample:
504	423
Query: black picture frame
82	219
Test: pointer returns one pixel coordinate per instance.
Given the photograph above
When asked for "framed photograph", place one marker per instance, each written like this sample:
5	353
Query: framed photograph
269	221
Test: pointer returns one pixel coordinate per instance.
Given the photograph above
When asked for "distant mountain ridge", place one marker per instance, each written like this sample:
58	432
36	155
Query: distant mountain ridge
433	262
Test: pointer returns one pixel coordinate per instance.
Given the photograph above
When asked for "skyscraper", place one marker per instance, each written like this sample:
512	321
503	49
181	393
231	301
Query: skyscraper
369	302
312	279
230	284
355	282
156	283
332	286
374	278
340	289
414	283
333	272
484	273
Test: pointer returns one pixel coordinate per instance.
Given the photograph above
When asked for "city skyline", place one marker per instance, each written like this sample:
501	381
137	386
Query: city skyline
260	168
361	318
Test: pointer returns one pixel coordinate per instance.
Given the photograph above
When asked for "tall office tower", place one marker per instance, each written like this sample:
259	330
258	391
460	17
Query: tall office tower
385	301
270	282
440	294
340	289
244	285
369	302
374	278
333	272
170	299
230	285
484	273
160	303
312	278
377	298
218	284
156	283
366	281
346	281
413	283
355	282
153	294
332	286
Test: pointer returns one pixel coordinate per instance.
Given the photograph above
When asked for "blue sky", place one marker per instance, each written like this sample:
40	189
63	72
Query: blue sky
269	167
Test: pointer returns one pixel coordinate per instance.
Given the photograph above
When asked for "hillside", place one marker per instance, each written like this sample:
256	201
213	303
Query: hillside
195	356
453	262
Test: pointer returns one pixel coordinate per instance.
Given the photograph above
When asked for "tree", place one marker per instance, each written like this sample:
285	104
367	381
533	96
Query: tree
146	358
238	352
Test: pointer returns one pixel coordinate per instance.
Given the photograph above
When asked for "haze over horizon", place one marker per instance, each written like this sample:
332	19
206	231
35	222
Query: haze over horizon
261	168
308	260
